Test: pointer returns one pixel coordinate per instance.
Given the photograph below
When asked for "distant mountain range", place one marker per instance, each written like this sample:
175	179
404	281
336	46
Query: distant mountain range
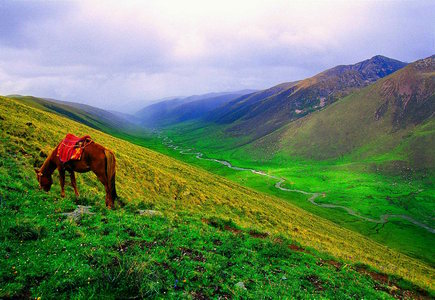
262	112
380	108
395	115
367	109
178	110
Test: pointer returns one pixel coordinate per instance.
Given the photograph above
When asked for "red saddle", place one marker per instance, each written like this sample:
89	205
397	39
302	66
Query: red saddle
71	147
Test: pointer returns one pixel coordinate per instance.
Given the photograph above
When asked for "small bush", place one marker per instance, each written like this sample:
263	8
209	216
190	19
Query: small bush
27	232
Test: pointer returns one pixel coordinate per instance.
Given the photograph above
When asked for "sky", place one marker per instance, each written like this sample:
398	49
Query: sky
122	55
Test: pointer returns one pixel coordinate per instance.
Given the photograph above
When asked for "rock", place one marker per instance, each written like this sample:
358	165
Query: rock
78	213
240	285
149	212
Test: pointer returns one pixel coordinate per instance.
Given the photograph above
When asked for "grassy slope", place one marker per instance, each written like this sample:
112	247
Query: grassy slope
347	127
119	254
87	115
148	178
372	194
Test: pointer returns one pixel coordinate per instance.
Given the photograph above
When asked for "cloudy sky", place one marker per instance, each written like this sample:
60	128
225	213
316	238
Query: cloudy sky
122	56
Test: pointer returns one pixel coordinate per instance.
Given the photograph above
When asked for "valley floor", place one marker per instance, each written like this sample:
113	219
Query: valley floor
394	210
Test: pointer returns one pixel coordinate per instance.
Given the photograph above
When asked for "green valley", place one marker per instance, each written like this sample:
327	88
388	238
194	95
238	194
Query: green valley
100	252
374	161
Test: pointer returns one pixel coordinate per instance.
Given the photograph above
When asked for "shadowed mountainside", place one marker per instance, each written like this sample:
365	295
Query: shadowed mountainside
178	110
394	115
262	112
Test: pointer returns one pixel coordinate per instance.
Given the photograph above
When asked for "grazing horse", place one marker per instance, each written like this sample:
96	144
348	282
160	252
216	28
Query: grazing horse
94	157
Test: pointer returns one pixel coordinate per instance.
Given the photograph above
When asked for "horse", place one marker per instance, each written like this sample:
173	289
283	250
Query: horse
95	158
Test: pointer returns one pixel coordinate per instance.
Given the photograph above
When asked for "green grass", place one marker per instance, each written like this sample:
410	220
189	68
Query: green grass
361	185
120	254
180	191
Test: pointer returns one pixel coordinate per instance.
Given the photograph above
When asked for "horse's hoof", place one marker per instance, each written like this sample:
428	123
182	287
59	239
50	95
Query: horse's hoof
62	195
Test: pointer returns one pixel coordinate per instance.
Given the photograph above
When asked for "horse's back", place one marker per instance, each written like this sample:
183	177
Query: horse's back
93	157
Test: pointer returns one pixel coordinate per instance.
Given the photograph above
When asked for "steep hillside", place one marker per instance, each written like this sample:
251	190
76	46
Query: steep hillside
395	115
91	116
178	110
265	111
149	179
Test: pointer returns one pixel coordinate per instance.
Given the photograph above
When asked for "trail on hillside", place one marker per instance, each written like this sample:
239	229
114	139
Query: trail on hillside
382	219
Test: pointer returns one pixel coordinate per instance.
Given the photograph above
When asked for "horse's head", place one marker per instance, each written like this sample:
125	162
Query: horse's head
45	181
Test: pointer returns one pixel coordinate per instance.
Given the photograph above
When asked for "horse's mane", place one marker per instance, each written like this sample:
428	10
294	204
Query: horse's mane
48	164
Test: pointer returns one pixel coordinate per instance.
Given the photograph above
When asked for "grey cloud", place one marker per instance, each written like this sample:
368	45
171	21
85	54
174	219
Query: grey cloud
108	56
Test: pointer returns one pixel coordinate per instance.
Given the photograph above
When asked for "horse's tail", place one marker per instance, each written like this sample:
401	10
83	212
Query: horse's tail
110	171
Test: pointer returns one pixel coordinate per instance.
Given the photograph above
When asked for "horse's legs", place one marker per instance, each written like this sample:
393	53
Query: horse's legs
74	183
103	179
62	181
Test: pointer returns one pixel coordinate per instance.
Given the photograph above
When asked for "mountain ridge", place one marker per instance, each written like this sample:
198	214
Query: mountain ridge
182	109
296	99
392	107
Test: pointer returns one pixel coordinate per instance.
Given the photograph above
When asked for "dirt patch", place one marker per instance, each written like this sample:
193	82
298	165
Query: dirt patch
232	229
297	248
337	265
383	278
258	235
315	281
384	283
193	254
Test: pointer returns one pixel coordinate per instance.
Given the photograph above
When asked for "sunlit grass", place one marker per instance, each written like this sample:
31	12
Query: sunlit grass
145	177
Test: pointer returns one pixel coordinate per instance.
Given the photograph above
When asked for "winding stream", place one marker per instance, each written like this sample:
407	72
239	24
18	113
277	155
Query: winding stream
382	219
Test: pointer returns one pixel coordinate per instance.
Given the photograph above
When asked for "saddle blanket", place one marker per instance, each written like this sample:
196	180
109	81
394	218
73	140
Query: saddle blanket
71	147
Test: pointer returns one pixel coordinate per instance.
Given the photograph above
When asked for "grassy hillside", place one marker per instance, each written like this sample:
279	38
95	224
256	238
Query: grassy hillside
379	119
355	185
91	116
148	179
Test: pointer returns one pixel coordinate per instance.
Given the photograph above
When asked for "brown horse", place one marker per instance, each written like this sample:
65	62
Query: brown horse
94	158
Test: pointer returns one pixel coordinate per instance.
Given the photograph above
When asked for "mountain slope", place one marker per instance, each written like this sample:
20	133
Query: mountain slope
268	110
394	114
178	110
91	116
148	178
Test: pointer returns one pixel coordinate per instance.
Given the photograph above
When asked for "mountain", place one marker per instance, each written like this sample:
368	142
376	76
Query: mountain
265	111
89	115
206	225
178	110
395	115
